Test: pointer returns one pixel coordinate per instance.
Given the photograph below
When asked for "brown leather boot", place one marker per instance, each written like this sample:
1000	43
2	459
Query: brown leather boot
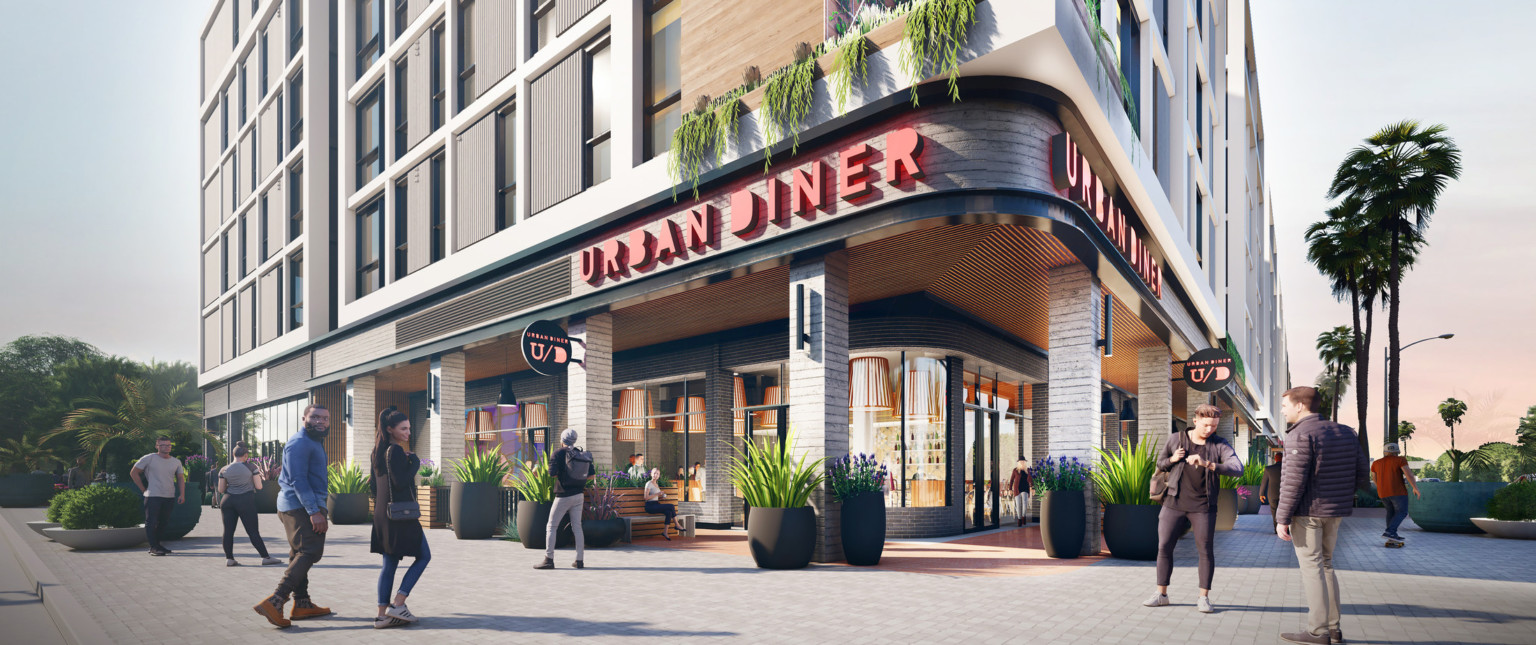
272	610
305	608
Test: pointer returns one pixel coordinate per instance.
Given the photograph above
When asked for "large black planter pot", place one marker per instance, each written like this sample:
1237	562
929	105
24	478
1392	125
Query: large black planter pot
532	518
1249	505
25	490
349	508
266	498
782	538
1130	531
1062	523
184	516
473	507
863	528
1226	509
602	533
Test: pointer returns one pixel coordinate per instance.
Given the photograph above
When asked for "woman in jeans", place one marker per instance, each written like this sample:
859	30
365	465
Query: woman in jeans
1193	459
653	505
238	483
394	479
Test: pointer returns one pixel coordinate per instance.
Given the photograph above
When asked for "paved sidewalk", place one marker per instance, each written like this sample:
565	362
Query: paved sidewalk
1440	589
22	613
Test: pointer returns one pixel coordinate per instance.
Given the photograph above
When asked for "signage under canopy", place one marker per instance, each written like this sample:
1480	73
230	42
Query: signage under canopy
547	348
1209	370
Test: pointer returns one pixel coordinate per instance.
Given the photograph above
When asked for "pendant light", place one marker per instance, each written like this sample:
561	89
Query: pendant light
633	404
739	401
695	414
925	402
769	418
536	415
868	389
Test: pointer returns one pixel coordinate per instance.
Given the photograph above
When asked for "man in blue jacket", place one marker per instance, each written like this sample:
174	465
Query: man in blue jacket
301	506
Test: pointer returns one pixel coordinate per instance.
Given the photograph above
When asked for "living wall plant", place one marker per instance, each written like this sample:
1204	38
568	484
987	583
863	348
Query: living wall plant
787	96
1114	75
934	33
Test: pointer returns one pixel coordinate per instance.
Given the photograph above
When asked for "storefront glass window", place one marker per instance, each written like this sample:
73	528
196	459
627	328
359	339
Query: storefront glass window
521	430
663	422
991	445
898	412
265	430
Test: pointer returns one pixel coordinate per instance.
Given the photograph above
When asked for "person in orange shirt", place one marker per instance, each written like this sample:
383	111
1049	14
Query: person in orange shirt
1391	472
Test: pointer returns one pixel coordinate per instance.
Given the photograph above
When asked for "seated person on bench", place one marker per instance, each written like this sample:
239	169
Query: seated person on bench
653	505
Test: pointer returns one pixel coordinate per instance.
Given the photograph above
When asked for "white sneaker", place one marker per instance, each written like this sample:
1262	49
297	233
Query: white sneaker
266	561
383	622
231	562
401	612
1204	605
1157	600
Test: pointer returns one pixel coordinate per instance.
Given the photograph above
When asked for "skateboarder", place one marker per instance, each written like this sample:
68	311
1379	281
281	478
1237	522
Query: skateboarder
1390	473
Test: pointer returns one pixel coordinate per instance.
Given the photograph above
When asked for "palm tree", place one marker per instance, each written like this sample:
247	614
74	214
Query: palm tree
1405	430
1329	384
1337	349
28	453
139	418
1398	175
1451	411
1525	436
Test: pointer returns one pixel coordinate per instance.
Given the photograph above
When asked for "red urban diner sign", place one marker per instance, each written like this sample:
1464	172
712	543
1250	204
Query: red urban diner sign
1070	173
799	192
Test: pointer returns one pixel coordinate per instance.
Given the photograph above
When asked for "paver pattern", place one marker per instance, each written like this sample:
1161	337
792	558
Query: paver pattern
1440	589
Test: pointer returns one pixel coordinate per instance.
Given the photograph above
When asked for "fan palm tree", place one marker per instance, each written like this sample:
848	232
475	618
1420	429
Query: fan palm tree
1398	175
28	454
1451	411
1525	437
140	417
1337	349
1405	430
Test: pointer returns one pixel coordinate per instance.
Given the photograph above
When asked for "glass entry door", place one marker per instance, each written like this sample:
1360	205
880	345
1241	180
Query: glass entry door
982	487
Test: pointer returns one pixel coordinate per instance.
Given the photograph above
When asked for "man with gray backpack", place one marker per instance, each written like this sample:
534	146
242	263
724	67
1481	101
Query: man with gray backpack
570	467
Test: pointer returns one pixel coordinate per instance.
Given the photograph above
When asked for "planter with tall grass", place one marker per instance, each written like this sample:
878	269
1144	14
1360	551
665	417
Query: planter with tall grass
536	488
777	487
1063	508
1226	503
1123	481
348	499
1248	487
601	525
474	496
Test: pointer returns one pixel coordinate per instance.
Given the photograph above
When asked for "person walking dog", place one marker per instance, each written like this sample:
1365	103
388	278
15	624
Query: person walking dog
160	477
238	483
1393	478
302	489
394	480
1194	460
570	467
1324	466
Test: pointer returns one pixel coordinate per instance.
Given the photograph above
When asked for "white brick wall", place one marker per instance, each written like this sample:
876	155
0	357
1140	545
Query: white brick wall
590	387
1154	396
818	380
364	419
446	437
1076	368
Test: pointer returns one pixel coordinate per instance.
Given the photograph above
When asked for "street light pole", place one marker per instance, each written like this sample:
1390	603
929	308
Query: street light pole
1389	407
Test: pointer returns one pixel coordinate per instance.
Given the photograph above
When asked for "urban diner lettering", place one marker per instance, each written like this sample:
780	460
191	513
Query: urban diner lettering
1209	370
1070	173
546	347
802	193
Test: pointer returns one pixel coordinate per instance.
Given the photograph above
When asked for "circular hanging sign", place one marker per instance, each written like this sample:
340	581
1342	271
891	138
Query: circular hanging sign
546	347
1209	370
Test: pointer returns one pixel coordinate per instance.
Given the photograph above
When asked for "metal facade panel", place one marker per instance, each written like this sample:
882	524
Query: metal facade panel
418	217
287	378
569	12
267	316
227	331
246	319
495	41
216	47
555	131
211	277
544	284
215	402
413	9
277	46
211	336
242	393
474	183
418	90
266	133
213	208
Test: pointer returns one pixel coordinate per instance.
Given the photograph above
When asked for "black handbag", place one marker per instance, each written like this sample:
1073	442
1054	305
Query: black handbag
408	510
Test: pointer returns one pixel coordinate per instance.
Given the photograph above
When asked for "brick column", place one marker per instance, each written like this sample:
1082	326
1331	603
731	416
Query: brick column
590	388
1075	373
365	419
719	437
1227	429
446	437
1154	396
818	379
1040	433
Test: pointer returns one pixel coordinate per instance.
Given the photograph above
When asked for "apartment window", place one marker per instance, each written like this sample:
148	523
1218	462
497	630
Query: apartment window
295	202
506	164
1163	20
296	110
234	10
1200	118
243	96
664	109
295	291
370	136
402	8
543	23
279	134
263	66
1130	53
370	18
224	262
598	148
439	91
277	300
263	215
370	247
245	237
234	178
400	107
1199	229
234	327
402	233
439	225
295	27
224	122
466	53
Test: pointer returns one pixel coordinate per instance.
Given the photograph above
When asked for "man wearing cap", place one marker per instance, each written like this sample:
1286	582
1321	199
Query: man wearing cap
1390	473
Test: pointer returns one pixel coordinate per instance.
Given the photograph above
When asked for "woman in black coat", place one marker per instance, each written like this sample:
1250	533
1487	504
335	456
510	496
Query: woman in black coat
394	479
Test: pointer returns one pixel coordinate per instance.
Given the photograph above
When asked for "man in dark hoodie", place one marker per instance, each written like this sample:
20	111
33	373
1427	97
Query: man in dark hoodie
1323	468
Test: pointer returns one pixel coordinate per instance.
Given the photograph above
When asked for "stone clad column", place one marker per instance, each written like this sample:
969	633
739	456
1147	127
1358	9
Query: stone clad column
1075	374
818	379
1154	396
365	417
590	388
719	437
1040	433
445	441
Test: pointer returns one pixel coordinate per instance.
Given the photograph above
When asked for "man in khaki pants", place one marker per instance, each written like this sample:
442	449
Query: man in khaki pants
1322	469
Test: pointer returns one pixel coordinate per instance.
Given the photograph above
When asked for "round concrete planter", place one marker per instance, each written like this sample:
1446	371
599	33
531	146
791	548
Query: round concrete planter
184	516
266	498
98	539
1130	531
1516	530
1448	507
40	525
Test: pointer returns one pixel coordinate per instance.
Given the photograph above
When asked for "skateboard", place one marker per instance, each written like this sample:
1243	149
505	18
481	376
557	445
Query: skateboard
1394	544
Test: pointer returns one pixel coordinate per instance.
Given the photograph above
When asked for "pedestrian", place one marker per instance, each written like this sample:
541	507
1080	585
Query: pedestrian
1018	486
166	487
653	505
1269	486
637	467
394	480
1324	466
1391	472
302	489
238	483
570	467
77	477
1194	460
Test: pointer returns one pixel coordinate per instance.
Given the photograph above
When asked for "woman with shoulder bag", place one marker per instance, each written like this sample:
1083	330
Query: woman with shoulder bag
1191	461
396	519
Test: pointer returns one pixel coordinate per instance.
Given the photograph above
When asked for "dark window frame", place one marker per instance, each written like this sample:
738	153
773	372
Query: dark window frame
373	158
541	9
590	140
466	73
369	276
296	109
244	95
401	225
278	299
402	7
295	201
438	167
439	88
245	245
262	66
263	216
675	98
224	261
295	27
402	69
1130	53
296	291
224	122
506	167
371	46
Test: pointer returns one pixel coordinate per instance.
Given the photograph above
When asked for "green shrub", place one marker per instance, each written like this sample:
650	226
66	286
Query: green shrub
342	479
487	466
534	484
1125	476
772	477
1514	503
98	506
56	505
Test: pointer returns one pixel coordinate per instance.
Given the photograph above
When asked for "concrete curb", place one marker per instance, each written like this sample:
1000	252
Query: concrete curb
73	621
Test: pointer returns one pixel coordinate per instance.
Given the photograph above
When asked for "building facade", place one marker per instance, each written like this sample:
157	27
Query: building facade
945	284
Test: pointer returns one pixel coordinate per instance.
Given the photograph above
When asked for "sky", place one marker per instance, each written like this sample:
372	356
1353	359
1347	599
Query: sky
99	201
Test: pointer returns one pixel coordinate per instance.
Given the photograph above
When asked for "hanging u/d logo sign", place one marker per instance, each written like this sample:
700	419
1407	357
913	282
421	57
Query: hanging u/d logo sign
1209	370
546	347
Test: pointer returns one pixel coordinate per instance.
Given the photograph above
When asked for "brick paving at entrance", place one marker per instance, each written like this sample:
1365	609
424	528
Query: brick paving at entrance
1440	589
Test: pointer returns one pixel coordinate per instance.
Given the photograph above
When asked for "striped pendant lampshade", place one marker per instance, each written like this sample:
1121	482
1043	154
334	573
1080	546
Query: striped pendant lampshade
739	401
769	418
868	390
536	415
633	404
695	410
925	390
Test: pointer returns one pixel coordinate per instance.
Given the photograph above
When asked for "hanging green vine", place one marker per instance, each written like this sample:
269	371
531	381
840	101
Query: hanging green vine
852	58
1100	39
934	32
786	102
703	133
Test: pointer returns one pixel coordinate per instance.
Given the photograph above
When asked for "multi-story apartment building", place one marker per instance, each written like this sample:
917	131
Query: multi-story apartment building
944	284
